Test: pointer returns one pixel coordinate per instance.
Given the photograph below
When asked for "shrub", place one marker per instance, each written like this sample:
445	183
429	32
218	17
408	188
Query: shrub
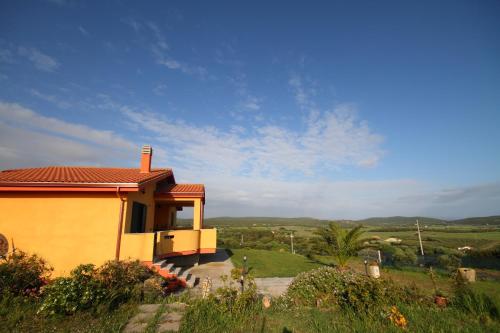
404	257
23	274
227	310
332	287
113	283
476	303
80	291
123	274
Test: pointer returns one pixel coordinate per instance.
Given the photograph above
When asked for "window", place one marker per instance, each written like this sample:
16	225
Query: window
138	223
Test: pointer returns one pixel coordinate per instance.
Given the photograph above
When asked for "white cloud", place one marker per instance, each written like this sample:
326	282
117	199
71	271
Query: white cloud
40	60
336	138
83	31
6	56
160	89
457	202
17	116
26	148
302	94
244	196
247	101
132	23
252	103
160	50
51	99
261	171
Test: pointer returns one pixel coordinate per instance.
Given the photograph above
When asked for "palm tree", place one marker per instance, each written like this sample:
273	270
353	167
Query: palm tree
341	243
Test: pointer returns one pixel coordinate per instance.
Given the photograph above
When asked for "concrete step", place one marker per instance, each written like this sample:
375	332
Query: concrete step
160	263
191	281
168	267
176	271
184	273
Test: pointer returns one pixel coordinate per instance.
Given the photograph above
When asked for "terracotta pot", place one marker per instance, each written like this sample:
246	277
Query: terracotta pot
441	301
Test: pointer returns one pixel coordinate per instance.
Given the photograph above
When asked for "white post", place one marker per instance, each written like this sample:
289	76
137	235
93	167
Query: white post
291	239
420	239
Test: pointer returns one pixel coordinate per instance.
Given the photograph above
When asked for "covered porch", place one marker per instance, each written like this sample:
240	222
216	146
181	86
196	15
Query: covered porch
157	234
172	239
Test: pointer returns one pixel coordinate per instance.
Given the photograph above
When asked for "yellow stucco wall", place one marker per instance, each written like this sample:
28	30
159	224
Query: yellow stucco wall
208	239
137	246
182	241
67	229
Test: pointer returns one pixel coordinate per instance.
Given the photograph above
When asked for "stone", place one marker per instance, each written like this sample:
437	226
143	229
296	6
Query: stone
135	327
169	327
171	317
142	318
177	306
170	322
149	308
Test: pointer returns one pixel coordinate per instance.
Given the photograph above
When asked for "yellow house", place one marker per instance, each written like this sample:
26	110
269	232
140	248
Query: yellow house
75	215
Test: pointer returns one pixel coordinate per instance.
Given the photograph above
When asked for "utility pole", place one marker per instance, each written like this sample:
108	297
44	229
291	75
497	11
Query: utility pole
420	239
291	240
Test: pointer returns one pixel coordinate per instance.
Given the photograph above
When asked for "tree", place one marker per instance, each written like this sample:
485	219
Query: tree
341	243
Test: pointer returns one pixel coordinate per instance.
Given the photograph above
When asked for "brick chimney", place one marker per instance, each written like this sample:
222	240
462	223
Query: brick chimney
146	155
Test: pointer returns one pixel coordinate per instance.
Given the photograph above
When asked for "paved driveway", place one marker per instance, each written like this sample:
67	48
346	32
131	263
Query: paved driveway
218	264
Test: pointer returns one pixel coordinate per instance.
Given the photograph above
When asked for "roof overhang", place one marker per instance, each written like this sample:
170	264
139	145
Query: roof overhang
180	191
34	187
77	187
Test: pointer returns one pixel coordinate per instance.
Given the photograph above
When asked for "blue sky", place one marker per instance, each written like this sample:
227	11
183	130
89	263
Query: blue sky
324	109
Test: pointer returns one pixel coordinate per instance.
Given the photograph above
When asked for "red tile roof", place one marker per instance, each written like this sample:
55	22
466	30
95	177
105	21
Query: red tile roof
79	175
180	191
182	188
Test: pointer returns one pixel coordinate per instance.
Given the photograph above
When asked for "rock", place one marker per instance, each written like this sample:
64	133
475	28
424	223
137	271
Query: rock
149	308
177	306
135	328
170	322
142	317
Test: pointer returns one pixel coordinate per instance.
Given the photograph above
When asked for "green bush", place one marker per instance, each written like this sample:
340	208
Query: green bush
110	285
228	310
404	257
473	302
23	274
80	291
123	274
332	287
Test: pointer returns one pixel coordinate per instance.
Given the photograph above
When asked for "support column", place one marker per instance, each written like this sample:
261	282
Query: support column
197	214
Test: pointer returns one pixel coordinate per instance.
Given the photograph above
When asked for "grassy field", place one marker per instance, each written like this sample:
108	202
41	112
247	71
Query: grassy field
264	263
420	319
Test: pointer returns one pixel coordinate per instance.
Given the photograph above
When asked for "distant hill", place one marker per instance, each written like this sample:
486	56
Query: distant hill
373	221
400	220
486	220
263	221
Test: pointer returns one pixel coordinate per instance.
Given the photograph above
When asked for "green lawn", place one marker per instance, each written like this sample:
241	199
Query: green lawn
264	263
